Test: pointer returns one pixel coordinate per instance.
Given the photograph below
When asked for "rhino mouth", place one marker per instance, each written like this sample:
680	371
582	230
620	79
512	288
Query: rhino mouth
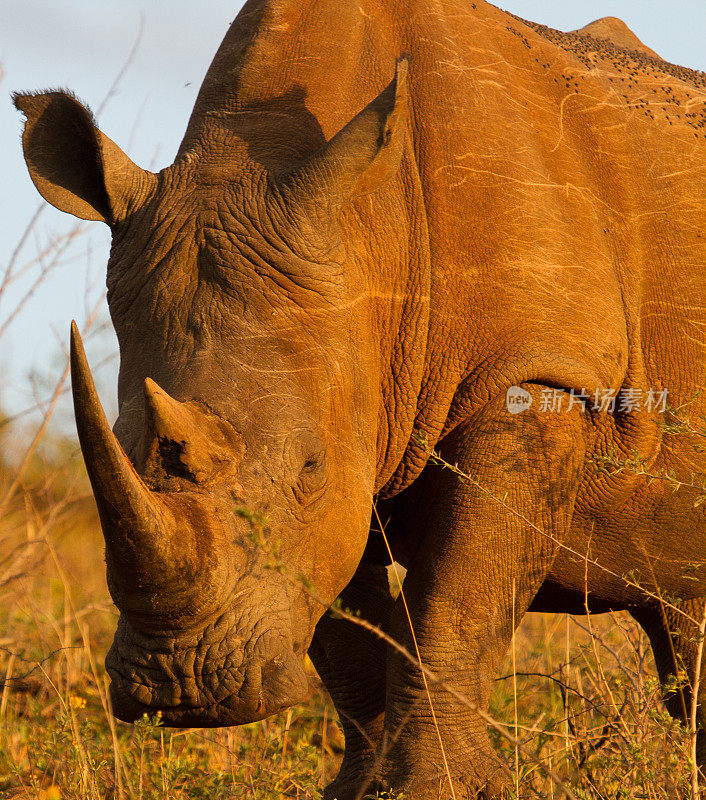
203	684
256	699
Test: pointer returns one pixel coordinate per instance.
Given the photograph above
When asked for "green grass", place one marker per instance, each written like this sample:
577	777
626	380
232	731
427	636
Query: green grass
585	700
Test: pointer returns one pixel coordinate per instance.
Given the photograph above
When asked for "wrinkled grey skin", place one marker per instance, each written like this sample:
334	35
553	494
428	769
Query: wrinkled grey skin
309	286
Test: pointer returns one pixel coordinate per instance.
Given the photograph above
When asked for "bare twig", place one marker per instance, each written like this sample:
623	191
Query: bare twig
693	717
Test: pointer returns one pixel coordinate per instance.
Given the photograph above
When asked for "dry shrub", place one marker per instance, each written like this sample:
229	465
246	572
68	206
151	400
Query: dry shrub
588	703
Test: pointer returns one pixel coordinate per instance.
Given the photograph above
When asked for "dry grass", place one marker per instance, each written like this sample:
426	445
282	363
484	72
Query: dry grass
588	704
58	737
585	699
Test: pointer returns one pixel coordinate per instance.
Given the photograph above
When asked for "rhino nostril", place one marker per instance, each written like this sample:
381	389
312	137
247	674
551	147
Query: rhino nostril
284	682
271	668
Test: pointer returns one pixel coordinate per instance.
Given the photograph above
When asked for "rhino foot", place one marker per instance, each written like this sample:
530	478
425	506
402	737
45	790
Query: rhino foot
486	780
478	786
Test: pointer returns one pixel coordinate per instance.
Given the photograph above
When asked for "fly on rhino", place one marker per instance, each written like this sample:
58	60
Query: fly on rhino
386	219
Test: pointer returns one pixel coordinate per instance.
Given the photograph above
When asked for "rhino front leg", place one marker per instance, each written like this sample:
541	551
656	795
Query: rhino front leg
351	662
483	548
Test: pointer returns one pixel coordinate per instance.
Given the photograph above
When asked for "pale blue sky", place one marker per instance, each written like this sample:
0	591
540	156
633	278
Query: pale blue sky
81	44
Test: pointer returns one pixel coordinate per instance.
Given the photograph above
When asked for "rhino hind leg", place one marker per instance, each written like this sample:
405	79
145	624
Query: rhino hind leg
673	631
351	663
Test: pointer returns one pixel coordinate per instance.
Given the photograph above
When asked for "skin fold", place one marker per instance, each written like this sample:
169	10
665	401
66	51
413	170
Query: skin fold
382	217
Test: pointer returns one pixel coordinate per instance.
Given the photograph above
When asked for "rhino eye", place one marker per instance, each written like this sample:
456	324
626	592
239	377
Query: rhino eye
312	463
312	480
307	460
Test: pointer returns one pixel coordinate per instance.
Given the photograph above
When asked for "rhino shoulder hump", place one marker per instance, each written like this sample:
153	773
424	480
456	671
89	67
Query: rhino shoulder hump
614	30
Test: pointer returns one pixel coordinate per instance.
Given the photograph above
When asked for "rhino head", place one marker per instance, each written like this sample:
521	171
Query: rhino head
235	488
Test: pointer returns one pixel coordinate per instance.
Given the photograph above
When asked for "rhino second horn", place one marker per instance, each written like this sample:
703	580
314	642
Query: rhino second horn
165	416
132	517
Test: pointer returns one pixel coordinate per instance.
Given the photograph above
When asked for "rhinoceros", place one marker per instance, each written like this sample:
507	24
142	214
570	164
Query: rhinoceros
417	266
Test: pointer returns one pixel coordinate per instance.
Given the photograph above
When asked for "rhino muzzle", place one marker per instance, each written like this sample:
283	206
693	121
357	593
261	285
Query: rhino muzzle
210	679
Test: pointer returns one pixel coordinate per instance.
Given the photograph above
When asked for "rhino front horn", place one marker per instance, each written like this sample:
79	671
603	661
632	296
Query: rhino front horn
132	517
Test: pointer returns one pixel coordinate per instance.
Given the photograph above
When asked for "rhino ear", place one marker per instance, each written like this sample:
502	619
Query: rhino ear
360	157
74	166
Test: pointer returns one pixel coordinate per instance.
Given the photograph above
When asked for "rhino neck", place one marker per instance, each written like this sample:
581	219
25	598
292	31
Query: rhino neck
419	364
